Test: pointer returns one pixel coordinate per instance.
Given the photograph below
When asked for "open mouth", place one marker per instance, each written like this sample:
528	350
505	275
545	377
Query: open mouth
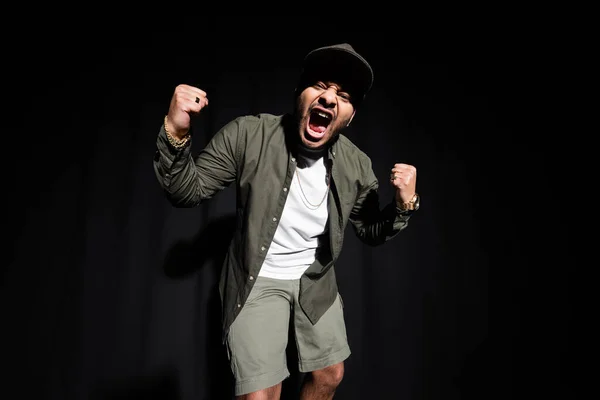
318	121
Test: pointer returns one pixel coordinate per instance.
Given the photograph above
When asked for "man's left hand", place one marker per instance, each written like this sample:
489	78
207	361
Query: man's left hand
404	179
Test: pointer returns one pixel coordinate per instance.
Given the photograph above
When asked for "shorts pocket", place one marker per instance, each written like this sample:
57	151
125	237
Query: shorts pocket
256	290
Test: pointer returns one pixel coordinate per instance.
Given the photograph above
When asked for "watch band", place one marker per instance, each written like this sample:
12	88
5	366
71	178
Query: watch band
411	205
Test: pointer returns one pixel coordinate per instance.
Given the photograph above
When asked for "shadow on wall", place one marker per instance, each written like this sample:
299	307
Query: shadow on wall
209	247
163	384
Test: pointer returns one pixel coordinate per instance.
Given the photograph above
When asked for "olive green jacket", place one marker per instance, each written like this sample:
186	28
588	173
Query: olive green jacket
255	153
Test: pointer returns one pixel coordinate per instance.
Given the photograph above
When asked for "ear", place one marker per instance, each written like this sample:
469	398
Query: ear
351	118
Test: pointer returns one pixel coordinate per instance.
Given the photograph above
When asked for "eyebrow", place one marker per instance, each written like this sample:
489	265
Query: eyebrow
339	87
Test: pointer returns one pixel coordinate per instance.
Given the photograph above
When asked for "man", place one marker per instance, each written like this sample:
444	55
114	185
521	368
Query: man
299	181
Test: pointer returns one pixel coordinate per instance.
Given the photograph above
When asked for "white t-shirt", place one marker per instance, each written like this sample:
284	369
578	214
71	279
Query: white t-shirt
302	224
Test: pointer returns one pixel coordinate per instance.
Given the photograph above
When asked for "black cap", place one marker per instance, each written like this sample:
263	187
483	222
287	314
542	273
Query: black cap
339	63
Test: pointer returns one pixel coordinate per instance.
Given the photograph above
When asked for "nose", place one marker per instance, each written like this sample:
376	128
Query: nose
328	98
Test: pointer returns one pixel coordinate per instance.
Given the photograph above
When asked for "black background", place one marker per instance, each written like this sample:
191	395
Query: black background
111	293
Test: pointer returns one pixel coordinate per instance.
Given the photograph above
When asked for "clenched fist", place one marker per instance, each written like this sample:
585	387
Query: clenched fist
404	179
186	101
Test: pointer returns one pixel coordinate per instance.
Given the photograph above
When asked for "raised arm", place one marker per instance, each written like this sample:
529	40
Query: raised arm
187	180
375	226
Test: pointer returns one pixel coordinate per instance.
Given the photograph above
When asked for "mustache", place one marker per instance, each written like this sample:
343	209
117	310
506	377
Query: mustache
319	107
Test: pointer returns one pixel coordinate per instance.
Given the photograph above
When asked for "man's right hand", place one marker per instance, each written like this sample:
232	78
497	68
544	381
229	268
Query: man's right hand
186	102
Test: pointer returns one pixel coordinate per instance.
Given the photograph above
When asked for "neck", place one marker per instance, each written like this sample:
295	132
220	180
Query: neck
311	153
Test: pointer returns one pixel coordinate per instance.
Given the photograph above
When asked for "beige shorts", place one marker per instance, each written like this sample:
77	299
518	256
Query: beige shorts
258	337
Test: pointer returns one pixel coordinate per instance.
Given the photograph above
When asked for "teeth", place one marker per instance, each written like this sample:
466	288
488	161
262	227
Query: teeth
324	115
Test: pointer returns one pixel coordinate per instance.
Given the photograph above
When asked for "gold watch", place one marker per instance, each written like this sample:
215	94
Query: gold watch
412	205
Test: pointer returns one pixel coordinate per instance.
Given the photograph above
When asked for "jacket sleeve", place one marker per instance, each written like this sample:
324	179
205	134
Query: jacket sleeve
187	181
372	224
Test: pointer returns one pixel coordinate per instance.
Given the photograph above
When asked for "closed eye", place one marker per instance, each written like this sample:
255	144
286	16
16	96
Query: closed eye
344	95
324	86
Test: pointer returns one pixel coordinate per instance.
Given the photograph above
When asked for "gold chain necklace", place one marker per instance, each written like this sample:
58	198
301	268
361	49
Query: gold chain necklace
305	200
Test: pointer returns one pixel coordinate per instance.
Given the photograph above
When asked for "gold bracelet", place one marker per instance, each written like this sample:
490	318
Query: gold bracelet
177	143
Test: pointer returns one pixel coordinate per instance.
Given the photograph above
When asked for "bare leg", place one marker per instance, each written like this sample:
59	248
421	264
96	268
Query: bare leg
321	384
272	393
